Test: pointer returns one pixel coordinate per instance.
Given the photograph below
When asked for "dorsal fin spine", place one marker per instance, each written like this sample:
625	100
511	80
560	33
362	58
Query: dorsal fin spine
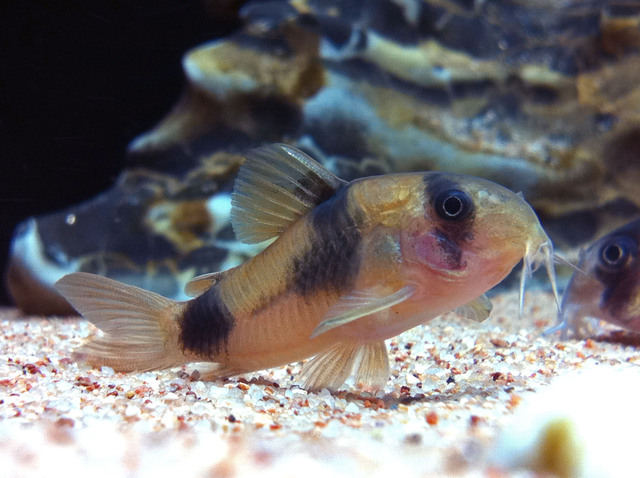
276	186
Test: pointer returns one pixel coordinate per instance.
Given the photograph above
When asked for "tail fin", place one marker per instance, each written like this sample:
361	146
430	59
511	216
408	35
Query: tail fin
140	328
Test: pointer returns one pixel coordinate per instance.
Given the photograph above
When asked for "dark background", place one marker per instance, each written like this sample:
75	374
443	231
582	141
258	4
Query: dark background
78	81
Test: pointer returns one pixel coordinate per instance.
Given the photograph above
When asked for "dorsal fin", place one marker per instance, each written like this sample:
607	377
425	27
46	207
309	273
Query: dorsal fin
276	185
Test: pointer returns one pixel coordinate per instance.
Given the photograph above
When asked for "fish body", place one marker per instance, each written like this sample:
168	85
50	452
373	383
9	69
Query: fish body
606	284
350	265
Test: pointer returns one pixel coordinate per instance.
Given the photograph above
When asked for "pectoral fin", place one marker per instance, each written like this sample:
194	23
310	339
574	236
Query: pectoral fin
476	310
360	304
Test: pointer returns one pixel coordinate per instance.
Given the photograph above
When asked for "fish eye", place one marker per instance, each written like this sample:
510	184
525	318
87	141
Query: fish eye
453	204
614	253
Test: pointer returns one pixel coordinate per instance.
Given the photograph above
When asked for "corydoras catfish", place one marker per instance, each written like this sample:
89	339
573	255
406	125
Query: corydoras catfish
605	286
349	265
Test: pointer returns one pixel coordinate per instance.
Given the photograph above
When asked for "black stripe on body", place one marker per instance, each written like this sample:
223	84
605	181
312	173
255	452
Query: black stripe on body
333	261
451	234
206	324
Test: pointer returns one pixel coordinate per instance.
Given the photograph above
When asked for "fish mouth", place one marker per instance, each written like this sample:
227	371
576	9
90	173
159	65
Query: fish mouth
580	309
578	319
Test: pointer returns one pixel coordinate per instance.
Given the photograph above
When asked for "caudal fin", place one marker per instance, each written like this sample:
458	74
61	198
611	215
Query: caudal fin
139	327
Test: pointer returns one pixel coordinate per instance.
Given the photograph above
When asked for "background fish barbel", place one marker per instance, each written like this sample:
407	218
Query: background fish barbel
350	265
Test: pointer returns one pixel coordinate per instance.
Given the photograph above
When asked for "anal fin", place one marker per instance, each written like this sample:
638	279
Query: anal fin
332	367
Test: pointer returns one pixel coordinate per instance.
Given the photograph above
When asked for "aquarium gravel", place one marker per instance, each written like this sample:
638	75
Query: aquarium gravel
453	389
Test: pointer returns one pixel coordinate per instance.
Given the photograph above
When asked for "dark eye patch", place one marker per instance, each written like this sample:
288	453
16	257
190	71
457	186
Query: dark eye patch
454	212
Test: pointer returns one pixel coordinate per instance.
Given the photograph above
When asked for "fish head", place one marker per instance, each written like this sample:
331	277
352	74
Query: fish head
606	285
472	231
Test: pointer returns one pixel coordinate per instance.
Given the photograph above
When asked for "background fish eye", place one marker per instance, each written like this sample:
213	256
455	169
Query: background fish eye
615	253
453	204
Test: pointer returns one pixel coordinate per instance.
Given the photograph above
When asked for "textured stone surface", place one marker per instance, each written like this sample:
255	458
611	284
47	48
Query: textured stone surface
540	96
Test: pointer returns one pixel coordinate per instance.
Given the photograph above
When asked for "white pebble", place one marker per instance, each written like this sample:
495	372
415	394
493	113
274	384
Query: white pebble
107	371
255	393
352	408
199	388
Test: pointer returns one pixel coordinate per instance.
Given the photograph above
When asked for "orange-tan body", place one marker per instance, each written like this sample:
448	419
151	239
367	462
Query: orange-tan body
280	332
371	259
